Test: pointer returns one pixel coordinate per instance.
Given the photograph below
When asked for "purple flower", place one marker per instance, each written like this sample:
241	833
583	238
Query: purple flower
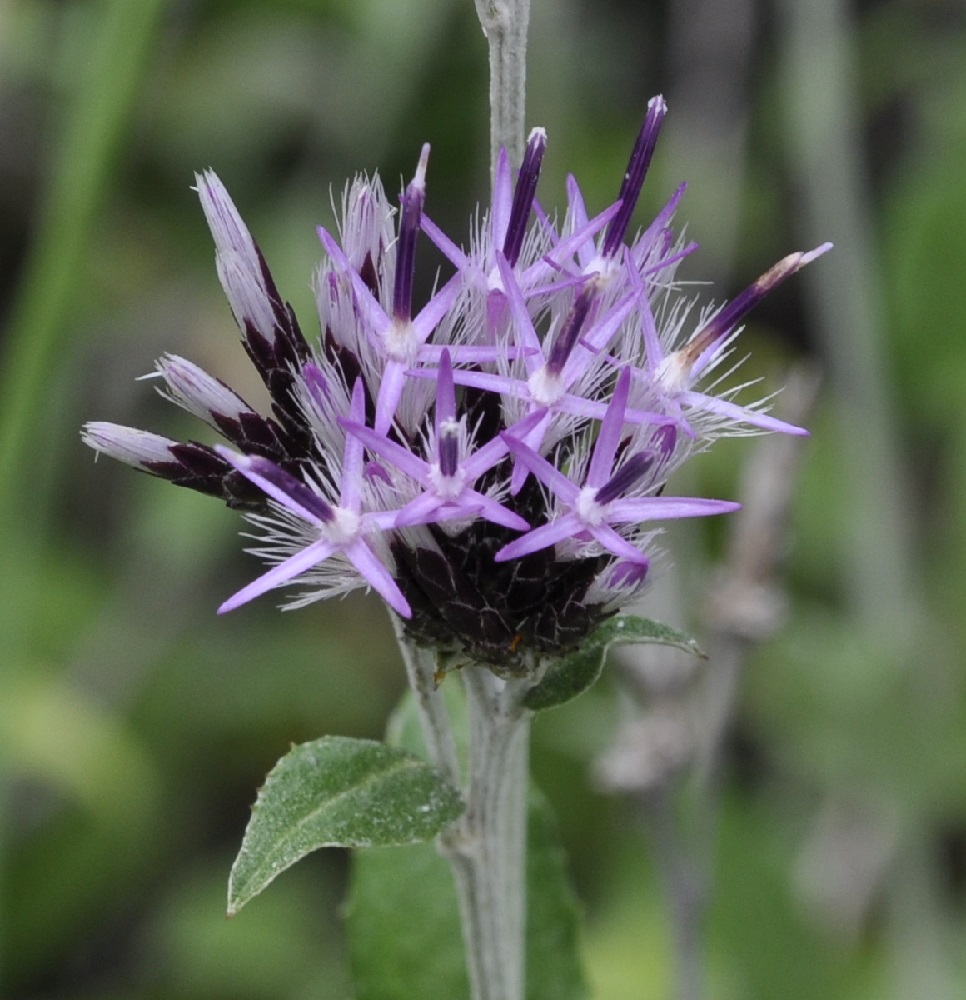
525	252
450	473
326	530
493	461
564	378
607	498
673	374
395	338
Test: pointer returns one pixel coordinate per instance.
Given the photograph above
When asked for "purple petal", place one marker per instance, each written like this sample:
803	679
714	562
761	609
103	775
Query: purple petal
542	469
467	353
654	352
350	497
577	212
377	320
502	384
532	438
605	535
282	487
596	340
543	537
450	250
438	306
419	510
526	335
579	242
658	225
429	508
483	459
377	576
611	430
637	510
496	512
294	566
390	392
739	414
389	450
502	199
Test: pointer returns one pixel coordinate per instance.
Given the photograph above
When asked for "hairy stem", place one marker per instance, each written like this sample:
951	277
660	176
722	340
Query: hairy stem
505	24
487	847
433	717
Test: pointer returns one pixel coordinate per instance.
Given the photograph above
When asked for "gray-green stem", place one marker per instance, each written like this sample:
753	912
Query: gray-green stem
505	24
486	847
434	720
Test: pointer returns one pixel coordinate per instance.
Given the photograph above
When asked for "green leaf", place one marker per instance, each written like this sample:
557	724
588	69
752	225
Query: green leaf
396	957
338	792
554	968
393	956
573	674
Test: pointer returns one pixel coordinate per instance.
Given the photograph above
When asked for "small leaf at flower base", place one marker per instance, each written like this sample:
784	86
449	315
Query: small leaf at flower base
576	672
338	792
404	929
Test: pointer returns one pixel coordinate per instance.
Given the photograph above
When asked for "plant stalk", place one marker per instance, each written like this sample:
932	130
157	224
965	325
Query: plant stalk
433	717
487	847
505	24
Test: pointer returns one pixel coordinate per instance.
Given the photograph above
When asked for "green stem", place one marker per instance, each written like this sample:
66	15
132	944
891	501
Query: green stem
505	24
487	848
434	720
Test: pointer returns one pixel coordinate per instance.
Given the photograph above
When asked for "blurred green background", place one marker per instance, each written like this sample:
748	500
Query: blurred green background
135	725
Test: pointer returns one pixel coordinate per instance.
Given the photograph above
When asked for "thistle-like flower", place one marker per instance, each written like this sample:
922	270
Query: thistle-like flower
493	463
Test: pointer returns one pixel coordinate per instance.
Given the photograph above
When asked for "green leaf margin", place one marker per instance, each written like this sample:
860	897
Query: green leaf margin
571	675
338	792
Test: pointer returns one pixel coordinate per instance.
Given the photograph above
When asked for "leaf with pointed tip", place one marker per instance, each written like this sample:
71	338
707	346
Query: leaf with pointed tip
571	675
338	792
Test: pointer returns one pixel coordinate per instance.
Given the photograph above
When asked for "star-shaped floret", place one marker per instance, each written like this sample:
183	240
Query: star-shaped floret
397	340
603	500
505	232
339	529
563	379
675	373
601	258
449	477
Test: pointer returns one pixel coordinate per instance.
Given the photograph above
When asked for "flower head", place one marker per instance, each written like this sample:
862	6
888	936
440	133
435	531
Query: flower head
492	462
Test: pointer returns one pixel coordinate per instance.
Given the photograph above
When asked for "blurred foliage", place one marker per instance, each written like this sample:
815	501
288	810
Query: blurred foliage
135	726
